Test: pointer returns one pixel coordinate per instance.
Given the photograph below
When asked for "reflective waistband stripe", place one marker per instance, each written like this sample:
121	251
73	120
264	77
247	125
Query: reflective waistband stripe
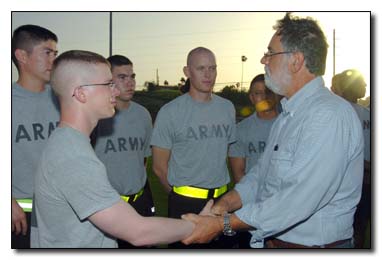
199	193
25	204
134	197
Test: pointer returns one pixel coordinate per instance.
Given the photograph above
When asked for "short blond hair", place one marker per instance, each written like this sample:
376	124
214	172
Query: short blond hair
71	65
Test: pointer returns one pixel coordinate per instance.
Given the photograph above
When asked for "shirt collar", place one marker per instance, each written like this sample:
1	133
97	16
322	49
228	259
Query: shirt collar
290	106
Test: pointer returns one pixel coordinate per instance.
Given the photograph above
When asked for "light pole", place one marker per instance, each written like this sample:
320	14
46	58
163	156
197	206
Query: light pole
243	59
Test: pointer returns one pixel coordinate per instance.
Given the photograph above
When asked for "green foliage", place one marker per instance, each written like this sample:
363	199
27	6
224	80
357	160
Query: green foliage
237	97
154	100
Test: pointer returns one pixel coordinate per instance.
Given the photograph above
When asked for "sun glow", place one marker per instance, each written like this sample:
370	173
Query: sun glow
348	35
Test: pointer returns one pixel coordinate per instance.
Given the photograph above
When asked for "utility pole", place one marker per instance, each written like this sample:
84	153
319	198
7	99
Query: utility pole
334	52
157	78
243	59
111	34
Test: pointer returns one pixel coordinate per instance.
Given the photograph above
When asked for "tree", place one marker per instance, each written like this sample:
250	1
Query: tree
150	85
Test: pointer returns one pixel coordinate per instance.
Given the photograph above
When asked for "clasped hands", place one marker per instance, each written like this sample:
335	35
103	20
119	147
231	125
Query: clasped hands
208	224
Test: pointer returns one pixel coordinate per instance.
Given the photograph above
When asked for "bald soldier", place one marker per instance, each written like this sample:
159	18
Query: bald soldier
75	205
190	140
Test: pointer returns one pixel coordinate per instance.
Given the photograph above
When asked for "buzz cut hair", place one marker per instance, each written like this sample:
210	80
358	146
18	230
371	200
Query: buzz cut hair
27	36
119	60
71	59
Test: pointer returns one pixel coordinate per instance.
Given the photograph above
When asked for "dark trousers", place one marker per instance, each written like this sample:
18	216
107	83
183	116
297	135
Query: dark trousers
143	206
179	205
20	241
362	216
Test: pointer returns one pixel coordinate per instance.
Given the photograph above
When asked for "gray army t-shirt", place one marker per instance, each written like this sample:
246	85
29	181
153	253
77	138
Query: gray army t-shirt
34	117
123	142
252	135
198	135
71	184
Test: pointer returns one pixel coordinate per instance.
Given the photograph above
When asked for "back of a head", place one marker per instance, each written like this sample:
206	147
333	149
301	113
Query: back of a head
306	36
351	84
186	87
118	60
26	37
72	65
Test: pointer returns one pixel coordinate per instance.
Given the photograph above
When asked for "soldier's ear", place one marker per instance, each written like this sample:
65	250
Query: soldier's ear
79	94
186	71
21	55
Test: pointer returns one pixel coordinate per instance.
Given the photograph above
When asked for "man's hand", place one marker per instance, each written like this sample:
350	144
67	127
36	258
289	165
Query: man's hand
206	211
206	228
19	220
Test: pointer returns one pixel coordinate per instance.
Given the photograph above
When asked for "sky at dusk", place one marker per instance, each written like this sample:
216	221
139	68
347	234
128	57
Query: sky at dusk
158	42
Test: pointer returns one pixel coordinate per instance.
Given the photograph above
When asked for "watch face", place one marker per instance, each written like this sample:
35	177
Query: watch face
229	232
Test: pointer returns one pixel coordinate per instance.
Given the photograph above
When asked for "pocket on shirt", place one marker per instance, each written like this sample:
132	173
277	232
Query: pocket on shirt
280	165
282	159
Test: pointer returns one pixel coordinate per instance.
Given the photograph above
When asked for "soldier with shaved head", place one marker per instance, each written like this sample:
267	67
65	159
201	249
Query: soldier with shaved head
190	141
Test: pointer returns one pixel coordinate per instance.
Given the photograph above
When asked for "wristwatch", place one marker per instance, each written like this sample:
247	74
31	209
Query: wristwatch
227	230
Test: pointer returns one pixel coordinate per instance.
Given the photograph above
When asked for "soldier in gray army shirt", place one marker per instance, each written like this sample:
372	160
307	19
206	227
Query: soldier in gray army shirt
252	135
253	131
123	142
34	117
75	205
190	141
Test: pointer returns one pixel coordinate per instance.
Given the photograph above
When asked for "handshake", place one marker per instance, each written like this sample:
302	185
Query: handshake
208	224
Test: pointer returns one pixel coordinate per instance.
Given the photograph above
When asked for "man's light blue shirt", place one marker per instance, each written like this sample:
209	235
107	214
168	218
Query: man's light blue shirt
308	182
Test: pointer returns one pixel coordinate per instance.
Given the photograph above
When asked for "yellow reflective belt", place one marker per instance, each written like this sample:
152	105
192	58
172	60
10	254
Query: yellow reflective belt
136	196
199	193
25	204
220	191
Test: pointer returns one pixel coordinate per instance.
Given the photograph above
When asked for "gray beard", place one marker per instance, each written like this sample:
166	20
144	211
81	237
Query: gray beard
272	86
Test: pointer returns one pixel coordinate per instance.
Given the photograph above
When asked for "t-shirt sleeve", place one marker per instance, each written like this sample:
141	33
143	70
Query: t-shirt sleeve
149	131
237	149
85	186
232	113
163	131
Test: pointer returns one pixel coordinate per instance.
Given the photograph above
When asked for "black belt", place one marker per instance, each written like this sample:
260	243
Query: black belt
277	243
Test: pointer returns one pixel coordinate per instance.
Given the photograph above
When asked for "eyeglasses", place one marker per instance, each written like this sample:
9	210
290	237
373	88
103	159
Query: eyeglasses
270	53
109	84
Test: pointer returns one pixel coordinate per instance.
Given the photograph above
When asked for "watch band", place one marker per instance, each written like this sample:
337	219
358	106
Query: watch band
227	230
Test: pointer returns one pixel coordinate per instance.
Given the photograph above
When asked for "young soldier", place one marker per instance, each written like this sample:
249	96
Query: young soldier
190	140
123	142
75	205
34	117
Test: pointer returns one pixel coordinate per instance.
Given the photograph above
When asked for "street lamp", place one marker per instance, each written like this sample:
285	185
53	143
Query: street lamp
243	59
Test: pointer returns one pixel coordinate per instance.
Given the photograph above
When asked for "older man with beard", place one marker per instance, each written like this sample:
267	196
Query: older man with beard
304	190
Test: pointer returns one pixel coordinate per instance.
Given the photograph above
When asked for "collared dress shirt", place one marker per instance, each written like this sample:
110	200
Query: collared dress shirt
308	182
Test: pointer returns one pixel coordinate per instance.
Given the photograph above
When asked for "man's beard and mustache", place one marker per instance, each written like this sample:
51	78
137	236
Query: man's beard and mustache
272	85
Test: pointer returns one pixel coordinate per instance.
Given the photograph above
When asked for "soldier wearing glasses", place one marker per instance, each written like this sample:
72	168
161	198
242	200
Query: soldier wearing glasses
75	205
